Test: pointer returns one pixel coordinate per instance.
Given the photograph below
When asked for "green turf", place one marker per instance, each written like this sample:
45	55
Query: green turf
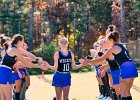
139	71
36	71
138	68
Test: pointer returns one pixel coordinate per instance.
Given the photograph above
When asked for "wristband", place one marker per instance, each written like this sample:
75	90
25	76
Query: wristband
37	60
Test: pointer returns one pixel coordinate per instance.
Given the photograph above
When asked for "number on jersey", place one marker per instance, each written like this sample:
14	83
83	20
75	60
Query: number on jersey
66	67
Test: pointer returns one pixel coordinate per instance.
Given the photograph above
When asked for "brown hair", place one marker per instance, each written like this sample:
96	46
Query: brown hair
2	41
114	36
6	45
16	38
111	28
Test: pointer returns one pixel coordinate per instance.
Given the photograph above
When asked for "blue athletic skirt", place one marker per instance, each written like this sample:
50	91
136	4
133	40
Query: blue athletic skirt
128	70
115	77
61	79
17	76
6	75
97	72
108	71
27	71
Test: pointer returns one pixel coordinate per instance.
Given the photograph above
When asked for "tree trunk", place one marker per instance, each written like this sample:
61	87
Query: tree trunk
74	26
31	26
65	20
123	22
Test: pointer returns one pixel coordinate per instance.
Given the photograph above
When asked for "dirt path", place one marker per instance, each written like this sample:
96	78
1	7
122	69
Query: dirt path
84	87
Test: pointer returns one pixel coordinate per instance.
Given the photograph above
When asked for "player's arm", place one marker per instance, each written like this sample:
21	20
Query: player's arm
55	62
101	59
104	67
25	61
28	54
74	66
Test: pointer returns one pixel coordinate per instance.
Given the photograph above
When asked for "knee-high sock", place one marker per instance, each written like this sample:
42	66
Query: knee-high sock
129	98
106	85
124	98
103	90
17	95
113	94
119	97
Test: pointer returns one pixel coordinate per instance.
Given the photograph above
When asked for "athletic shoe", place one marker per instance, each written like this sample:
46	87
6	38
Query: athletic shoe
100	97
54	98
108	98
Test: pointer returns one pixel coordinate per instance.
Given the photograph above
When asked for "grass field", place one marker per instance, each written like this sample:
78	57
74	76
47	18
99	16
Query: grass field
84	87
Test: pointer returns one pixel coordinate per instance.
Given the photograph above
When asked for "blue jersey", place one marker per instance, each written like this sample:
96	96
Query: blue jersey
123	56
64	62
9	61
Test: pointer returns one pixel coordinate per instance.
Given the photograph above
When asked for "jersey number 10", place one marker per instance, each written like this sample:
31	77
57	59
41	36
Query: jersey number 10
66	67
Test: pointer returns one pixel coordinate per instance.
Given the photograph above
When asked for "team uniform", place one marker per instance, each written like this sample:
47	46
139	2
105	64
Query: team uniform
6	69
127	66
105	88
22	72
62	76
100	54
26	71
97	71
17	75
115	74
97	67
115	71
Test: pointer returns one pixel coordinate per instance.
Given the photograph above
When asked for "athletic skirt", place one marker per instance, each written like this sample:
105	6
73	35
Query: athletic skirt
27	71
22	72
61	79
6	75
128	70
108	71
17	75
115	77
97	72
